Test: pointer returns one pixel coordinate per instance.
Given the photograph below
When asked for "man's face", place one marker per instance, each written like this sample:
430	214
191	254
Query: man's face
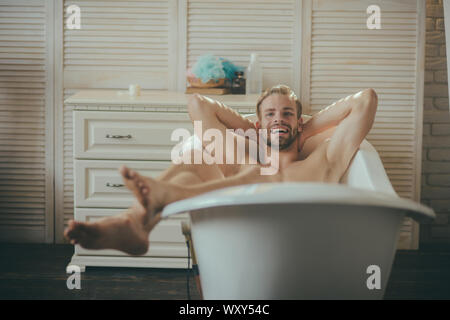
278	114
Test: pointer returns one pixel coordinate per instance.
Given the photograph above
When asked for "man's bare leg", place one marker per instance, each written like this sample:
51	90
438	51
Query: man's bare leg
129	230
154	195
182	174
199	172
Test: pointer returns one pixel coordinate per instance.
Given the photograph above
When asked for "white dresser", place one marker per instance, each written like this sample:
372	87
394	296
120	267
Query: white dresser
110	129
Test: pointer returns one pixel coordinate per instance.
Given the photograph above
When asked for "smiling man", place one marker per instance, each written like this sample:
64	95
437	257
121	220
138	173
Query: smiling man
319	150
285	121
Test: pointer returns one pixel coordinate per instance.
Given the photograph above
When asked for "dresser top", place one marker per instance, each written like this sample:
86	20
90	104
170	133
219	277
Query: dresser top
151	98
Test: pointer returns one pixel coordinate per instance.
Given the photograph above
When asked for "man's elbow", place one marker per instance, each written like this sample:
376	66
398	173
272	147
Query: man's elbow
197	107
369	98
194	102
367	101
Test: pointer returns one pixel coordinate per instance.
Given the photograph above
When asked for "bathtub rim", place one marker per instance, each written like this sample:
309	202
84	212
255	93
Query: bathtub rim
299	193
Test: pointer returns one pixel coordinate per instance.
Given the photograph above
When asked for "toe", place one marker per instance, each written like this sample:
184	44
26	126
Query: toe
69	226
69	229
138	181
129	181
142	183
124	171
77	230
146	182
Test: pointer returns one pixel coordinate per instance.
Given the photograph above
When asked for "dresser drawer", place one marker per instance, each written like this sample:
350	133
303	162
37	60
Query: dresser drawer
99	183
166	239
126	135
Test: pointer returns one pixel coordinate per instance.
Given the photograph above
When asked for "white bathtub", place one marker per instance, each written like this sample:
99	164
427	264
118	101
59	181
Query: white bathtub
300	240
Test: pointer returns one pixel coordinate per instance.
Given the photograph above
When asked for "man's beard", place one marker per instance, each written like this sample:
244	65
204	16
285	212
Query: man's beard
284	142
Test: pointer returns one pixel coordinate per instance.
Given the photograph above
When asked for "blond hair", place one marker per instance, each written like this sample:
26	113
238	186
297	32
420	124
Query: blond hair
281	90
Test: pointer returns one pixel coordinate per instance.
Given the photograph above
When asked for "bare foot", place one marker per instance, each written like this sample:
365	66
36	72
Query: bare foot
153	195
127	232
129	176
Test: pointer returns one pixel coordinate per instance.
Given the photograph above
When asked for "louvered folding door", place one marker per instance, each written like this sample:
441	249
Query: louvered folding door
342	56
119	43
26	186
235	29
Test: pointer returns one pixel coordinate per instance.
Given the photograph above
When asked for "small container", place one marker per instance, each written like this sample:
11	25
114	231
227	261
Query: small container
254	75
238	84
134	90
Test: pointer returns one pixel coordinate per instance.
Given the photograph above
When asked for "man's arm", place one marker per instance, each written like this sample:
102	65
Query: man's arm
354	115
324	123
212	112
216	115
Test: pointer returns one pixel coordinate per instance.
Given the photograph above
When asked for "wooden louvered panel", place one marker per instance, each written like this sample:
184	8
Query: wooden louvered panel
24	172
346	57
119	43
235	29
68	204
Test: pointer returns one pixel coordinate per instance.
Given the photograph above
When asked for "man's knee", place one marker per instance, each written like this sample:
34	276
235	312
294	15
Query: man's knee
185	177
192	156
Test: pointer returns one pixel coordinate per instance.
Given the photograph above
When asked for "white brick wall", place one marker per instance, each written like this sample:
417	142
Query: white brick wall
436	133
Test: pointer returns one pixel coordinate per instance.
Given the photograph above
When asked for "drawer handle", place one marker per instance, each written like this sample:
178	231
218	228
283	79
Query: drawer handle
117	136
114	185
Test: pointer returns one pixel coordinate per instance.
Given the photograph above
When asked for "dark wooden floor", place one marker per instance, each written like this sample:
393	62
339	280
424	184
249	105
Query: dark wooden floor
30	271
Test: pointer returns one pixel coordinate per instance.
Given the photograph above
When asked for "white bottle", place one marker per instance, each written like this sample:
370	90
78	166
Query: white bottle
254	76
